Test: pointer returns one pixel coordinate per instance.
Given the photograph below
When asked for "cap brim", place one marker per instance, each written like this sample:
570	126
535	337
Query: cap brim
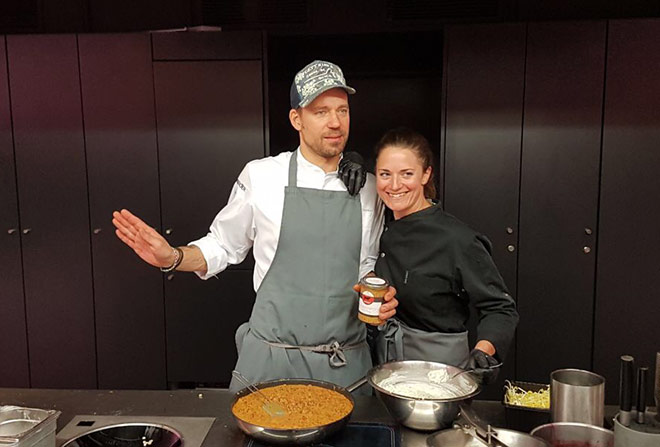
308	101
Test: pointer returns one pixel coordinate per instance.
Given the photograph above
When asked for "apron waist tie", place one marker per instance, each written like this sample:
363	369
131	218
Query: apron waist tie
334	350
393	336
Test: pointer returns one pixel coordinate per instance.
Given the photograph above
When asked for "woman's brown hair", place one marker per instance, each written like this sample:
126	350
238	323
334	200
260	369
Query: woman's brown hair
406	138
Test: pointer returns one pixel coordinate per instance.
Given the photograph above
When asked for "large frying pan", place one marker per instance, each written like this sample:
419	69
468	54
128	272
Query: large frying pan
298	436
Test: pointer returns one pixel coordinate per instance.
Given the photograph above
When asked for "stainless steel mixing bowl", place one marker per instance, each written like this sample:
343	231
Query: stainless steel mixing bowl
419	414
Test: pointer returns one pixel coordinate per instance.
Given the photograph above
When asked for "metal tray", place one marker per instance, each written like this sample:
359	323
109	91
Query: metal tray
27	427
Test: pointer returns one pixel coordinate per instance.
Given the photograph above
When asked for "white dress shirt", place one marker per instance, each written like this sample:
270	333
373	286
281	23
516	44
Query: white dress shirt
253	215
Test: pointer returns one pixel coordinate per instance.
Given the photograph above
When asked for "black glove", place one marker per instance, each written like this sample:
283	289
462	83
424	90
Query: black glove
483	364
352	172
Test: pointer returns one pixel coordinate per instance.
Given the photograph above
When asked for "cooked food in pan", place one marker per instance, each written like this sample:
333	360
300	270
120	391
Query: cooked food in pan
305	406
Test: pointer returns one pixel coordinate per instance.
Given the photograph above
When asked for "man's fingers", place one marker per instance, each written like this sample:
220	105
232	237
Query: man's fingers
124	230
120	221
126	240
132	219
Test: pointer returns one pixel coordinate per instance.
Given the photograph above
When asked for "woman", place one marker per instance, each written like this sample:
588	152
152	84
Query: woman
438	266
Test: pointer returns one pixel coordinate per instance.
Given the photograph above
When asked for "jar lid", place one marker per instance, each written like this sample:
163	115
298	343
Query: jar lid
375	282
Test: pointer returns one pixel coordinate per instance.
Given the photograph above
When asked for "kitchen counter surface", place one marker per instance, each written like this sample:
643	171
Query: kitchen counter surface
202	403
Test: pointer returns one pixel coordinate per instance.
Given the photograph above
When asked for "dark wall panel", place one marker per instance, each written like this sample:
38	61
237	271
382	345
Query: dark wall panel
410	101
122	159
127	15
13	334
50	159
210	124
559	196
187	46
627	310
483	118
485	74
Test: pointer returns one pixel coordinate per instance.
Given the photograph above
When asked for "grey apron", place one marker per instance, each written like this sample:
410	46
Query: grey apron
398	341
304	322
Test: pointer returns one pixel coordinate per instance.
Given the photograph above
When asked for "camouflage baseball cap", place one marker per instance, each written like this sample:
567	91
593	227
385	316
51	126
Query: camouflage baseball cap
314	79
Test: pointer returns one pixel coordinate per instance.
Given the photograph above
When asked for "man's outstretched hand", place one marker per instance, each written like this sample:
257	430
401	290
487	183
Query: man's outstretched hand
144	240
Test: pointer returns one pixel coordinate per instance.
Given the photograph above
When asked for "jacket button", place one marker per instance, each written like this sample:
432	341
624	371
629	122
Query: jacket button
382	254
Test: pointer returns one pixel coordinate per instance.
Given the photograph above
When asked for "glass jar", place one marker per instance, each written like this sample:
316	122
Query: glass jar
372	293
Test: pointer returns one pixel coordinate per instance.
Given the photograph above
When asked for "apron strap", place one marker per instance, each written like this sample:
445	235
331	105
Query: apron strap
334	350
293	170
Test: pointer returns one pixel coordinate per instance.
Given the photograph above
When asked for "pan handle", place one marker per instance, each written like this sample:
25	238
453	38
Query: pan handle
354	386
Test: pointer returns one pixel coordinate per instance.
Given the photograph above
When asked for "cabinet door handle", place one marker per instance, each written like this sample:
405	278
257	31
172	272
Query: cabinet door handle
27	230
12	231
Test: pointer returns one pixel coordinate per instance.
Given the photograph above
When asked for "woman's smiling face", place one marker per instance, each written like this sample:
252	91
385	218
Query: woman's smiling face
400	180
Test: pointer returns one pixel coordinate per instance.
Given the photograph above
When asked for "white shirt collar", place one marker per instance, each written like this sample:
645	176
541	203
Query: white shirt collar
306	164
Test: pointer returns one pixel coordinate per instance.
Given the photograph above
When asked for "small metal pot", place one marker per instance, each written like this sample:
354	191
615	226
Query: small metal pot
575	432
457	437
418	414
303	436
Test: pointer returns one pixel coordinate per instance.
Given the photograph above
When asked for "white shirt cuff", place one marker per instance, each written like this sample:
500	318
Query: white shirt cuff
215	256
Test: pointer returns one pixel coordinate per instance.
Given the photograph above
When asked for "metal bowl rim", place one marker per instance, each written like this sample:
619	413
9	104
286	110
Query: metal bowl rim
380	367
592	374
571	424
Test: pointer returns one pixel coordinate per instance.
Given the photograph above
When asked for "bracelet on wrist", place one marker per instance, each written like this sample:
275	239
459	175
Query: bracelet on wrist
178	257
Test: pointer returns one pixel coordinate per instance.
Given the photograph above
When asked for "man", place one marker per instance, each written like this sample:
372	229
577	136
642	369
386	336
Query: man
312	242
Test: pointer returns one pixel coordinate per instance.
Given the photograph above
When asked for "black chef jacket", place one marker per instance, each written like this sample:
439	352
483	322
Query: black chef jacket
439	265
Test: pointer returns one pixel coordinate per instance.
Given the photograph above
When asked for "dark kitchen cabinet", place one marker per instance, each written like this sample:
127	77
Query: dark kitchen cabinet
559	189
13	333
522	157
484	73
483	118
122	168
53	209
627	319
202	317
210	124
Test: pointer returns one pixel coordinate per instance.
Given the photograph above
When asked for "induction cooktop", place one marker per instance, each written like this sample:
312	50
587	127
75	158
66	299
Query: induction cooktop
134	431
355	435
